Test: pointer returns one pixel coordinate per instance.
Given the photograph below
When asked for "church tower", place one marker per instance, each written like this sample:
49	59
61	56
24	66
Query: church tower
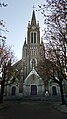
29	82
33	50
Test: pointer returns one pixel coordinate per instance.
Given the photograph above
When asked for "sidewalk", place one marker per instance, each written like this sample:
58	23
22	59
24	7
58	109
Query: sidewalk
4	105
60	107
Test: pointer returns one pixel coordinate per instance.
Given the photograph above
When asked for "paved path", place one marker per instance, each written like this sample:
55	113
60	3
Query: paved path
31	110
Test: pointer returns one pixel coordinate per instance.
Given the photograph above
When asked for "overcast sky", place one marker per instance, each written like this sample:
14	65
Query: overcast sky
16	17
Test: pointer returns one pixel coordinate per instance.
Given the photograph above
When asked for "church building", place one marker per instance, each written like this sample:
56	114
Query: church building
30	83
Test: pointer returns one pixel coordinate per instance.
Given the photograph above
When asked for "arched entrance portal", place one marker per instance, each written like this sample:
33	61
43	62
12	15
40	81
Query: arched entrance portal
54	91
33	90
13	92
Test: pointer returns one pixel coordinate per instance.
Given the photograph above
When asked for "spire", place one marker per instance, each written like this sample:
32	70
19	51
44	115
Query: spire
25	41
41	40
33	20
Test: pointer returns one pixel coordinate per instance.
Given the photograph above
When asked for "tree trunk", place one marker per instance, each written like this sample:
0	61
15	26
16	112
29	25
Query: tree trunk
61	91
2	92
2	84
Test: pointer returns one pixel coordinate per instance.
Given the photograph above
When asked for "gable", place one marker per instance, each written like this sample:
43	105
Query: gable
31	73
33	78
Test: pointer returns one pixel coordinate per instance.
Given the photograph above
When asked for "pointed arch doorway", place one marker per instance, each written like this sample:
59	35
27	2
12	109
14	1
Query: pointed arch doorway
33	90
13	92
54	90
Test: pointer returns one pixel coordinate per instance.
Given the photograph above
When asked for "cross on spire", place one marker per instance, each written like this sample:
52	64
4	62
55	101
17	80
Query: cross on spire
33	7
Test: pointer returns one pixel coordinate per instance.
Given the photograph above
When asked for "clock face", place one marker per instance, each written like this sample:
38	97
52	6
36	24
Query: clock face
33	27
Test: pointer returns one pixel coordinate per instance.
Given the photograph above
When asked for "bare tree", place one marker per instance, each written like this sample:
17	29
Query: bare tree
2	4
55	17
7	72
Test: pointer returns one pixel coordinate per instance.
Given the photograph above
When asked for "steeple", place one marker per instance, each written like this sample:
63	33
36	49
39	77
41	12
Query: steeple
25	41
33	32
33	20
